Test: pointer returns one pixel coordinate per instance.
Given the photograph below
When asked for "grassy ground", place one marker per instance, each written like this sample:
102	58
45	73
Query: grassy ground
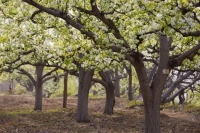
17	116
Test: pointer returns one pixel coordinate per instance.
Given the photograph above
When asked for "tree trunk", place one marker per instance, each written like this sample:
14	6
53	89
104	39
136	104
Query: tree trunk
181	97
151	105
110	101
152	115
117	87
85	78
152	94
38	88
117	83
65	91
110	94
130	87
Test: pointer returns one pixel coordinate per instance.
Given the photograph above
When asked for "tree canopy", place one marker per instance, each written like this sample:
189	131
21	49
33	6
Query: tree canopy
98	34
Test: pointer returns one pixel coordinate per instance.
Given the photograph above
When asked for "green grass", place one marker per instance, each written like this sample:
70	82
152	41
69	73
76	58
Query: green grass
134	103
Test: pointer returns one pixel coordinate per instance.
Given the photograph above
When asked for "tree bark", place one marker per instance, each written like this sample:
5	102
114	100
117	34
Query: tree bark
117	83
151	106
181	97
110	100
38	88
110	94
130	87
65	91
152	103
152	115
152	94
85	78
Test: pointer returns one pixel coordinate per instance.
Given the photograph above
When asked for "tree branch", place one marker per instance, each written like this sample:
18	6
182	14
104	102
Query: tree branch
24	72
19	56
178	61
52	76
185	34
63	16
97	13
50	72
175	84
34	14
180	90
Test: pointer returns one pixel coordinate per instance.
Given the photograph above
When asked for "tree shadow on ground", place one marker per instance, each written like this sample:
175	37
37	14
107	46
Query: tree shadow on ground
54	119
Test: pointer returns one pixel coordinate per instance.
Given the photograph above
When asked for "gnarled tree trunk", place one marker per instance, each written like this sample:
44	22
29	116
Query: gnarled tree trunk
110	95
152	94
85	78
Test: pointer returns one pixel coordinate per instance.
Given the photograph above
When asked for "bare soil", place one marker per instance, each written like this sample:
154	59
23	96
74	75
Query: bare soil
17	116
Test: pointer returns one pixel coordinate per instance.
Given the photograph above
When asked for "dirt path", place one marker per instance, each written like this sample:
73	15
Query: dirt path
181	115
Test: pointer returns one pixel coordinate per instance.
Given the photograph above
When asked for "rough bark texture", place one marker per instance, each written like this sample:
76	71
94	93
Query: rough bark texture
85	78
65	91
152	115
38	88
110	96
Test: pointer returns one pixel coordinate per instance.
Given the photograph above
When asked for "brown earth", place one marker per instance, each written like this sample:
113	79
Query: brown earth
17	116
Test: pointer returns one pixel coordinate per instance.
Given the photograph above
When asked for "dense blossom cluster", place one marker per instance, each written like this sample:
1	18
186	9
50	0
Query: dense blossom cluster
138	22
